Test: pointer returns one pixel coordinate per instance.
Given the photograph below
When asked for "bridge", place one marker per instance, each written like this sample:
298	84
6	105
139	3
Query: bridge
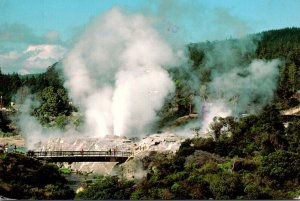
81	156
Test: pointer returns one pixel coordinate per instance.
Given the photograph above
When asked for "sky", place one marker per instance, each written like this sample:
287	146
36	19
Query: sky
36	33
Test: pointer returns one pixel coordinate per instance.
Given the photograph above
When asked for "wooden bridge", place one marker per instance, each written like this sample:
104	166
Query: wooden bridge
81	156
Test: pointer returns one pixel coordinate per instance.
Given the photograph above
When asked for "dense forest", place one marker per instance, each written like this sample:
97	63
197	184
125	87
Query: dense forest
255	157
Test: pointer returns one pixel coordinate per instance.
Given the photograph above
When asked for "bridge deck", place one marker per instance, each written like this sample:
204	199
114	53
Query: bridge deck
82	156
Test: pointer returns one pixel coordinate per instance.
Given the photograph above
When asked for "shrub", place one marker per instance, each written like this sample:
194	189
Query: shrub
204	144
65	170
281	165
108	187
225	186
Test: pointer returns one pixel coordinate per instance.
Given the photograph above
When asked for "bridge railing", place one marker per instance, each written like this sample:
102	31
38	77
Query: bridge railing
78	153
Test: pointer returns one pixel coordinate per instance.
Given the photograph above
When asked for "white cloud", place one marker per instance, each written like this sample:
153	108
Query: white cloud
36	58
22	50
42	56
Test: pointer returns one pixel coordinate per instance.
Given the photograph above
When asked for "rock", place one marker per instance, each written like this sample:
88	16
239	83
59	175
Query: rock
163	142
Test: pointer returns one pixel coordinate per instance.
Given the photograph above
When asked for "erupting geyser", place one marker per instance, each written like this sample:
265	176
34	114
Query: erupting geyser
115	74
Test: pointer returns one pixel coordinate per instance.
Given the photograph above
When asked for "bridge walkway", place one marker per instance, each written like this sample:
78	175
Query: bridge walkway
81	156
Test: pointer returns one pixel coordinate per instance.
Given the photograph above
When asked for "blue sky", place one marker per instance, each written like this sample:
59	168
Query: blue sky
36	33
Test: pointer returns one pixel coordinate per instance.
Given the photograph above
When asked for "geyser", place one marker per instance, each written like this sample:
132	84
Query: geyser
116	74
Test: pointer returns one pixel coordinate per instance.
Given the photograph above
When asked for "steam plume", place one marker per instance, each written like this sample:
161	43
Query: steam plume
32	130
115	73
237	86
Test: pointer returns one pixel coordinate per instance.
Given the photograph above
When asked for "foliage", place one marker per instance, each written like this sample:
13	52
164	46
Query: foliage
226	166
47	87
292	134
54	104
281	165
225	186
262	163
205	144
109	187
185	149
65	170
26	178
4	123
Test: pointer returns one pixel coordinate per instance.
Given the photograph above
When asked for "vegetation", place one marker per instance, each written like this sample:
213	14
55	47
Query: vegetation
26	178
260	161
4	124
54	108
255	157
109	187
65	170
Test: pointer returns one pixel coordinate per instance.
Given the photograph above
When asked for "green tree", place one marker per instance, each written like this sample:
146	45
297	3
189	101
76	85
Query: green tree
54	102
108	187
225	186
281	165
293	136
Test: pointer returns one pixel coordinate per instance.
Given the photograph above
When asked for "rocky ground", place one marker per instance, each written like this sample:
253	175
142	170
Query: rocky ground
167	143
163	142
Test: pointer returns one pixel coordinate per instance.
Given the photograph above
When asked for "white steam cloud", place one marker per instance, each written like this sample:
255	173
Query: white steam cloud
236	88
32	130
115	73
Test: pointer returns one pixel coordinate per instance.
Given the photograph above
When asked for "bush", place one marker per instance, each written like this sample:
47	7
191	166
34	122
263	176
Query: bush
222	146
209	168
245	164
204	144
281	165
108	187
185	149
165	194
225	186
65	170
26	178
254	191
